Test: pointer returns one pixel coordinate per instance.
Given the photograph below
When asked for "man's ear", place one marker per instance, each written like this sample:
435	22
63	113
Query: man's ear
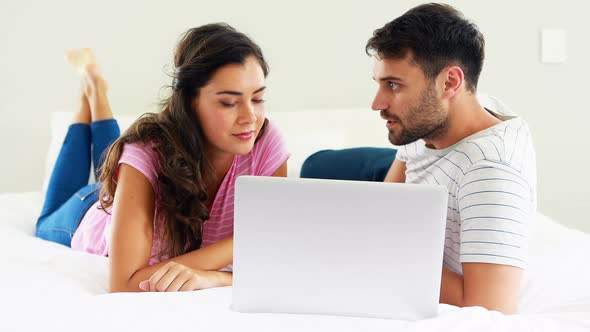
453	81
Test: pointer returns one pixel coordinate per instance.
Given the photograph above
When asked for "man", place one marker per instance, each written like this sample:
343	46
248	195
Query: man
427	65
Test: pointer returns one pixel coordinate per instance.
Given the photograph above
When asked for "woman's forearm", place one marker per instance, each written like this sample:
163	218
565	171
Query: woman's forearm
211	258
224	279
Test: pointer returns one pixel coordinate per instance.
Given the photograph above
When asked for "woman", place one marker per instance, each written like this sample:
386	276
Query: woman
164	213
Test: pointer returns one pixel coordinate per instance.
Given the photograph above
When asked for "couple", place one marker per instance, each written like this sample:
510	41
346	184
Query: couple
164	210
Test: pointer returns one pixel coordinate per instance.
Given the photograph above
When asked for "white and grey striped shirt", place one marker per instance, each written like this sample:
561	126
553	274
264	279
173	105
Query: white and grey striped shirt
491	179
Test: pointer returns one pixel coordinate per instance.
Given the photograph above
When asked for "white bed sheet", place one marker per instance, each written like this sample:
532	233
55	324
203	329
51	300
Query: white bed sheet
47	287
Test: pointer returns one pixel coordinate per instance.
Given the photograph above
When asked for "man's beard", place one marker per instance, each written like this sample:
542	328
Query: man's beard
425	121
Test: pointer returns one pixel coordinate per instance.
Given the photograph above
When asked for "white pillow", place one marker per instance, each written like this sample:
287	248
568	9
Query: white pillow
60	121
307	132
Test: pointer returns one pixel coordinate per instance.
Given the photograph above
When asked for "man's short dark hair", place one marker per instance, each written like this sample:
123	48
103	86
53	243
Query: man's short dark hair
438	36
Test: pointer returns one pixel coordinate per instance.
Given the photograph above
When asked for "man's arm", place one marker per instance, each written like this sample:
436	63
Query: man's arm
397	172
492	286
496	205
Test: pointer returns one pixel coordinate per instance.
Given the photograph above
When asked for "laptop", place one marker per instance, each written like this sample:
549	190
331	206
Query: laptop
330	247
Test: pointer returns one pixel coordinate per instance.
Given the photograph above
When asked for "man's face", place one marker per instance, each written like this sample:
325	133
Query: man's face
408	100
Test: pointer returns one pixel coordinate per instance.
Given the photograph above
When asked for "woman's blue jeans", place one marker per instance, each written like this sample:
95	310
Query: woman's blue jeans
69	195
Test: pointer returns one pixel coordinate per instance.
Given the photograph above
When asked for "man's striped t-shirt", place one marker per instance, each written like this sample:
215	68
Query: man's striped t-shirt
491	180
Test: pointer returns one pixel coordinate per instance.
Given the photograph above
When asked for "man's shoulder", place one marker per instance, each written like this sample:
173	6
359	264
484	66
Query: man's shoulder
498	143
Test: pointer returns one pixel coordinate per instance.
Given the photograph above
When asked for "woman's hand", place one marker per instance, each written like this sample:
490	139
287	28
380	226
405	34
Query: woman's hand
174	277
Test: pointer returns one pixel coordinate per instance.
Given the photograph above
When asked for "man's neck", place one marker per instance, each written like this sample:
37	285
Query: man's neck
466	117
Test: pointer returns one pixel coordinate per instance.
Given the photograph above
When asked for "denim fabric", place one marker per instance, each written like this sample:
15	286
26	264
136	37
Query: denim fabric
69	195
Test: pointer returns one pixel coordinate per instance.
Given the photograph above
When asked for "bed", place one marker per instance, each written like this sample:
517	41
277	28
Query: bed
47	287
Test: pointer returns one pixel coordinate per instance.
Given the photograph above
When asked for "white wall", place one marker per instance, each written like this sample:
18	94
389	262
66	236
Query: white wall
316	53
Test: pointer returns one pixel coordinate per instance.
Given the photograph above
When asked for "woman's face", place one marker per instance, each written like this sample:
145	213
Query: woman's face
230	107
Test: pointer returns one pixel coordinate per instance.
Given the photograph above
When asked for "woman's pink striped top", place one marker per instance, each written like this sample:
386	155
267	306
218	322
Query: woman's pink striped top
268	154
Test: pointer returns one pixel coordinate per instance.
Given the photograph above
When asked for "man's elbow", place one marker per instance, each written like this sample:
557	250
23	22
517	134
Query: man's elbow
492	286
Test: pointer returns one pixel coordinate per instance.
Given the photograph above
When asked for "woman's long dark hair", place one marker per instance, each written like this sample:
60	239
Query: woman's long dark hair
175	134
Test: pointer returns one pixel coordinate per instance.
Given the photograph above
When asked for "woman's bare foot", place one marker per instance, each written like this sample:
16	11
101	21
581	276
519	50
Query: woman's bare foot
77	58
94	87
